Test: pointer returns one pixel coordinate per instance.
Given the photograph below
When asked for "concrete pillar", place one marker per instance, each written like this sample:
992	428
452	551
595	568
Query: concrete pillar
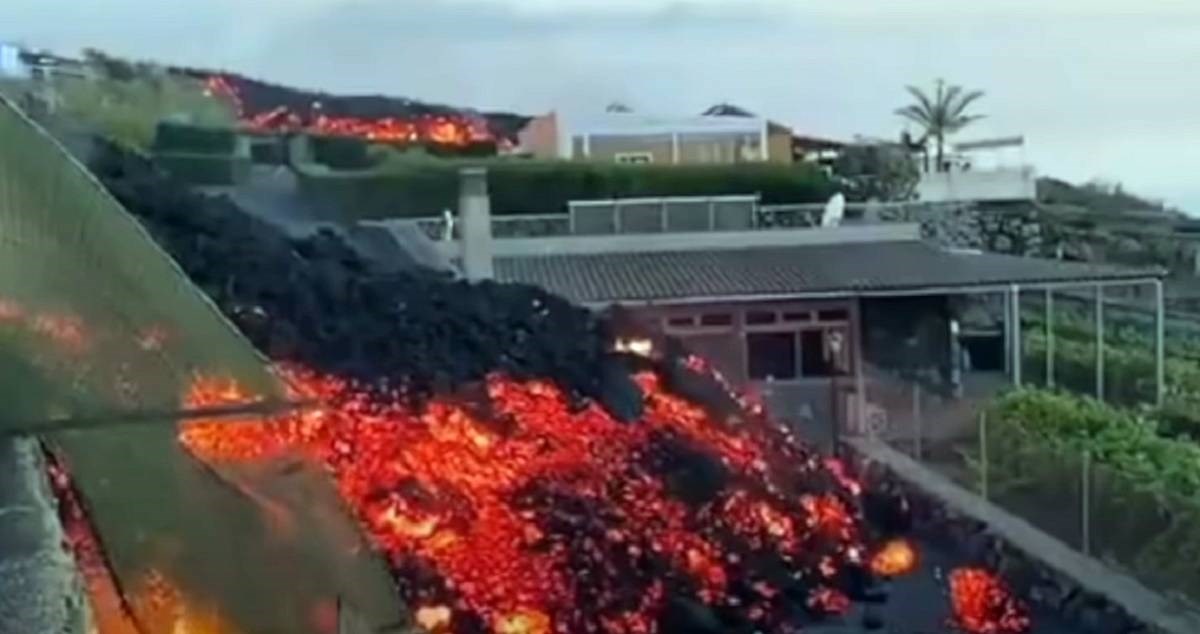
475	218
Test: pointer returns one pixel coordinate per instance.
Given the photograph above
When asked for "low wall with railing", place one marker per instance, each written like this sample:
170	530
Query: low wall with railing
993	185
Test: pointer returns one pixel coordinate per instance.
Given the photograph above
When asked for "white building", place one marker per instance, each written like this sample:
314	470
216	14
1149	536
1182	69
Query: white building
11	64
629	137
990	170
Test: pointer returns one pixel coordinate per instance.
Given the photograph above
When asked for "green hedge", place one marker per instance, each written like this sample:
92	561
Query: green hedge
190	139
200	169
1145	488
268	151
341	153
415	187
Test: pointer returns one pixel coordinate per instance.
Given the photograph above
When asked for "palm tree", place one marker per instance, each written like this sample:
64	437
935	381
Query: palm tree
943	114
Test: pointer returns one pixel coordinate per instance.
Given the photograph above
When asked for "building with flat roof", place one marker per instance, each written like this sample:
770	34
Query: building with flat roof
636	138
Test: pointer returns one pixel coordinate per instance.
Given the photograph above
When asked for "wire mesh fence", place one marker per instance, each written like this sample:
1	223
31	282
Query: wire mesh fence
99	328
96	321
1114	515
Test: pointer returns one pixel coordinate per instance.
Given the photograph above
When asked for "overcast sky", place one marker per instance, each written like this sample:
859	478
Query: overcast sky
1100	88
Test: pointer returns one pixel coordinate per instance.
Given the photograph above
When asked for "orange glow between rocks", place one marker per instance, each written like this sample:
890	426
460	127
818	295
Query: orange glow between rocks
473	493
151	605
896	558
983	605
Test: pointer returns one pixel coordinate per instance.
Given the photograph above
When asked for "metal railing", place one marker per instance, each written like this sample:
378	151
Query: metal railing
678	214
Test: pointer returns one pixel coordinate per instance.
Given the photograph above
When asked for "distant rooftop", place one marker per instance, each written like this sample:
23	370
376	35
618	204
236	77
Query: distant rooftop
618	123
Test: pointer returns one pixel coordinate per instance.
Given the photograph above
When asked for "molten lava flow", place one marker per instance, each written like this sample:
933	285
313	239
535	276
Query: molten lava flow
110	613
434	618
512	511
897	557
454	130
153	604
982	605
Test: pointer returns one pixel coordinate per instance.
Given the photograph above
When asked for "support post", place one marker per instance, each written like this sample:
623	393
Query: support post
674	148
1014	305
1099	342
1085	503
918	426
1160	351
1007	301
983	455
860	383
1049	338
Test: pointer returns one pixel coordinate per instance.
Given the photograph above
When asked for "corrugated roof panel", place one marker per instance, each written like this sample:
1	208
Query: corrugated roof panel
903	266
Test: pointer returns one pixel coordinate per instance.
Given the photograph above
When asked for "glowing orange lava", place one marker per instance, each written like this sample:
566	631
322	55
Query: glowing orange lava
152	605
524	622
897	557
983	605
439	129
537	517
434	618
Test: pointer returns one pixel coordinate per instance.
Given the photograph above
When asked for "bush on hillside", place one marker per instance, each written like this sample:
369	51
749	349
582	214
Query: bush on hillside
270	150
1145	488
341	153
415	187
172	137
205	170
1129	369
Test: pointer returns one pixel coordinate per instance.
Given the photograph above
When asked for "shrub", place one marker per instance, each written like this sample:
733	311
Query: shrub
424	186
341	153
270	150
173	137
1129	375
206	170
1145	488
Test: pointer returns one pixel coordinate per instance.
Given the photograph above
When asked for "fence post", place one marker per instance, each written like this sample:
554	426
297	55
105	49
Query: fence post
917	422
1099	342
1050	338
983	455
1014	304
1086	502
1160	335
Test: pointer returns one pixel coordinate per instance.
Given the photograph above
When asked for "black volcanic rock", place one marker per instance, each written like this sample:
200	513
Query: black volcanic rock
318	302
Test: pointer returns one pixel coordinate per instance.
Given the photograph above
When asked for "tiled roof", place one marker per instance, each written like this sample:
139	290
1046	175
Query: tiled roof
874	267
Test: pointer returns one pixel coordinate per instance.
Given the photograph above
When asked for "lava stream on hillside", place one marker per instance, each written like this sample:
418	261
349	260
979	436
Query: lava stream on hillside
446	129
510	511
